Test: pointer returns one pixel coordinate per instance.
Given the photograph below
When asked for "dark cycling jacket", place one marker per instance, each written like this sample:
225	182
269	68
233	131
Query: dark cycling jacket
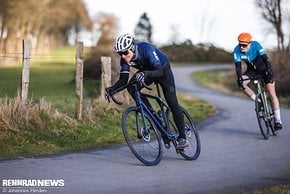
255	58
146	58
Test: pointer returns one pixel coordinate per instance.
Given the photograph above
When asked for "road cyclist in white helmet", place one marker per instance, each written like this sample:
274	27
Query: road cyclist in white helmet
153	66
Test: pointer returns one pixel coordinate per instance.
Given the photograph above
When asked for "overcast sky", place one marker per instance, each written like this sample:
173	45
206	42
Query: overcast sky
215	21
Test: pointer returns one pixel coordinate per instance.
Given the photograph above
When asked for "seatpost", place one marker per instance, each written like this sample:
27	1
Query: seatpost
258	85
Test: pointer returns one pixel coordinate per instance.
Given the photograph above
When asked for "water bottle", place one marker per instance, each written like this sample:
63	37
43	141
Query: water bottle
162	118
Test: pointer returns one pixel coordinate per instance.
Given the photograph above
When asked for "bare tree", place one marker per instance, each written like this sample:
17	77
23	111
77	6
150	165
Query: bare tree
174	38
272	13
207	23
105	29
51	20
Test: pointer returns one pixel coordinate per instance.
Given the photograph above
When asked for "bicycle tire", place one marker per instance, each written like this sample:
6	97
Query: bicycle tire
272	118
191	152
146	148
261	117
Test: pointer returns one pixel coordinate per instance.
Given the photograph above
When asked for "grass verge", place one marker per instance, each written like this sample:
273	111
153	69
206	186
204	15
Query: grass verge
225	81
55	132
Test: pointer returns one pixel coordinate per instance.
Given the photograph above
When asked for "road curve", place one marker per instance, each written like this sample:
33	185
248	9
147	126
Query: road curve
234	157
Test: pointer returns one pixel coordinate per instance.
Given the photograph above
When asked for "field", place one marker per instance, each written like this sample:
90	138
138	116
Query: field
51	78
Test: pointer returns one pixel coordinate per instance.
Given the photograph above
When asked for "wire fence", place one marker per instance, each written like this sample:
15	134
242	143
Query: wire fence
27	78
58	79
38	54
14	55
19	55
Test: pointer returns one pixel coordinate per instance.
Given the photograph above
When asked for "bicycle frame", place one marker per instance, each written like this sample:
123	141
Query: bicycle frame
265	115
261	90
146	123
143	108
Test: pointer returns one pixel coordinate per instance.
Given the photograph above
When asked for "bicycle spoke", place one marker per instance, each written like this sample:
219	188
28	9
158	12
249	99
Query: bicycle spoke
142	138
193	150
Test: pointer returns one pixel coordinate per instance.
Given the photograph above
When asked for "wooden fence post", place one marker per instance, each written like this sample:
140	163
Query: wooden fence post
106	75
25	69
79	80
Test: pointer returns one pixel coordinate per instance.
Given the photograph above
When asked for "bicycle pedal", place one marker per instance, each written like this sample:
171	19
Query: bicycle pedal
178	151
167	145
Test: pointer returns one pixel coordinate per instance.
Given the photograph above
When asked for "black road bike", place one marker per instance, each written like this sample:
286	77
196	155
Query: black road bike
144	129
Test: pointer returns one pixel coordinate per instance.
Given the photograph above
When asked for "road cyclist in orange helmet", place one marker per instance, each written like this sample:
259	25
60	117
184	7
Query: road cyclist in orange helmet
253	54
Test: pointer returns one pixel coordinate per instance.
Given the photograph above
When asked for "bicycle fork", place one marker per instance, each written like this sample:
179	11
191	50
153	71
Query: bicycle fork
142	130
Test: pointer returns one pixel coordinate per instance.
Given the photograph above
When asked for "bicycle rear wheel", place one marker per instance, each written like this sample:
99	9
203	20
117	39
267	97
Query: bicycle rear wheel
191	152
263	121
142	138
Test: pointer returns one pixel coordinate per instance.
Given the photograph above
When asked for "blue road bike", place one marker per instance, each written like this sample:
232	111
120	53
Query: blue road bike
145	130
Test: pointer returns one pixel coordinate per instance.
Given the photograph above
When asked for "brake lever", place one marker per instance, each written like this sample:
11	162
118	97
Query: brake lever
146	86
115	100
107	98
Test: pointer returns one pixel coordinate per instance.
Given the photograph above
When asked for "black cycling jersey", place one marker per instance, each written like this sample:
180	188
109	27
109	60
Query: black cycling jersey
147	58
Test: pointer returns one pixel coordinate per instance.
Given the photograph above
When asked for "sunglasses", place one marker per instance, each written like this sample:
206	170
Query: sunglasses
243	45
123	53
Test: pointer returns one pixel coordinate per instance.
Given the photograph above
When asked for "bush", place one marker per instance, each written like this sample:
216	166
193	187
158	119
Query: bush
92	66
17	116
281	66
201	53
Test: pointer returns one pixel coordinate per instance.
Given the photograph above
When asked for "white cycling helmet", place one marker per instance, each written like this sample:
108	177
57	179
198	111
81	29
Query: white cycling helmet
124	43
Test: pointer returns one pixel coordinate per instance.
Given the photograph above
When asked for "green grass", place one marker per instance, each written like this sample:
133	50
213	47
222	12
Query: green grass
51	77
278	189
63	134
225	81
59	135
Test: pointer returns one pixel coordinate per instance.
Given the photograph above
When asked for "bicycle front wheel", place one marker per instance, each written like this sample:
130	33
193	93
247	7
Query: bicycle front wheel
263	121
191	152
271	118
141	136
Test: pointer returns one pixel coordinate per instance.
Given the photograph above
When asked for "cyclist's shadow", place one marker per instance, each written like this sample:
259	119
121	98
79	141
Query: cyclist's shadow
224	123
119	154
241	131
248	133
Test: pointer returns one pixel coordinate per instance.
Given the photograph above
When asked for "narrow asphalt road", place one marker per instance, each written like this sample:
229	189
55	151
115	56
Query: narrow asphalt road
234	157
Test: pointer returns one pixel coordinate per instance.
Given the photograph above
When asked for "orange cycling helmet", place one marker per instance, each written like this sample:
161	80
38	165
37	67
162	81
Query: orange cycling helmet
245	37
